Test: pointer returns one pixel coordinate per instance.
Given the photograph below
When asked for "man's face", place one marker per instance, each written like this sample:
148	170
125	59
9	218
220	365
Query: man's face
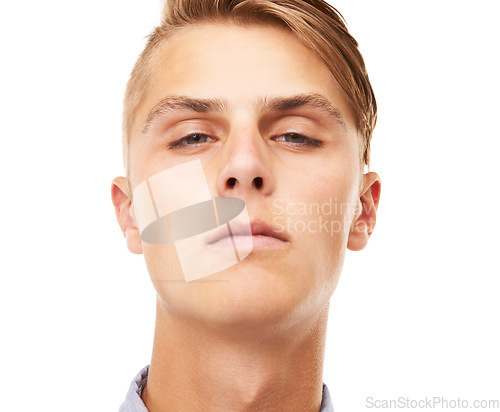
272	91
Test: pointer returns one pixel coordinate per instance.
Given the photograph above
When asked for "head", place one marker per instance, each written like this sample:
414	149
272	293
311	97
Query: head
274	99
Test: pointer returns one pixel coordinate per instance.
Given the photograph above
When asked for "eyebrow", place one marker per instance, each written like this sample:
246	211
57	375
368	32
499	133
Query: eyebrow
311	100
276	104
171	103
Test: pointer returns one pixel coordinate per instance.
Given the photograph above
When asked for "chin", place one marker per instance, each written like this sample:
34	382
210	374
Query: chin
255	293
251	297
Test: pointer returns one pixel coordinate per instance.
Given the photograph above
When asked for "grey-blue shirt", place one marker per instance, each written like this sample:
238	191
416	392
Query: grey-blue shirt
133	402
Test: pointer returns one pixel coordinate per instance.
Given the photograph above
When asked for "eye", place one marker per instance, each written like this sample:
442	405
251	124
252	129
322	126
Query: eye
192	140
298	139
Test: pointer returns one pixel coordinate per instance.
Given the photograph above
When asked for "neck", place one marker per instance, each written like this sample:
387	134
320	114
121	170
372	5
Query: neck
198	368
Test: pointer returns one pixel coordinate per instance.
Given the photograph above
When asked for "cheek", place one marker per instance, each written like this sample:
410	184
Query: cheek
319	217
162	263
326	203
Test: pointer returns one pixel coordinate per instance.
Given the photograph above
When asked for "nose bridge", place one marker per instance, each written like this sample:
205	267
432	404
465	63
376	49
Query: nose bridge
245	160
244	142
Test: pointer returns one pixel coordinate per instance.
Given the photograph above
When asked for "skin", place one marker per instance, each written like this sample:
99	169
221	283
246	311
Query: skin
251	337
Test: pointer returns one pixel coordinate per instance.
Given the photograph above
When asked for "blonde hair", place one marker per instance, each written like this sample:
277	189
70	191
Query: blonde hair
316	23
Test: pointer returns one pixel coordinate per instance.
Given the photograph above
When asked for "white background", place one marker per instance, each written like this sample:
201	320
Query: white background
415	314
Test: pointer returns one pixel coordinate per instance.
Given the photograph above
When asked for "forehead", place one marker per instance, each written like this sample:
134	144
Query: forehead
240	65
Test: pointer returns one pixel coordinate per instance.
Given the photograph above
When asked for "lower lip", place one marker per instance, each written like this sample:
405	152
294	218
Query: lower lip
258	241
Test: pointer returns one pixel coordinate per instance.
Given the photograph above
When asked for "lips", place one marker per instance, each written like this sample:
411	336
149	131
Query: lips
258	228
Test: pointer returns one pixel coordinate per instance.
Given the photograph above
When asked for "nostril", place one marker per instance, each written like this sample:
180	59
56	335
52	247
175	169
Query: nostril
257	182
231	182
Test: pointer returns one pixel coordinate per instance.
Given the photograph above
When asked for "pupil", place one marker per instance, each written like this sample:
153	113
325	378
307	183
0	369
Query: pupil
195	138
295	138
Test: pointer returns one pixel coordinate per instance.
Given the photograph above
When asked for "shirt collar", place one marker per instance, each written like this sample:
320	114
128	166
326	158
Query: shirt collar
133	401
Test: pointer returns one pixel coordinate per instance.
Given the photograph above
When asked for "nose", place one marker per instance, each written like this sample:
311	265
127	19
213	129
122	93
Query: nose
246	168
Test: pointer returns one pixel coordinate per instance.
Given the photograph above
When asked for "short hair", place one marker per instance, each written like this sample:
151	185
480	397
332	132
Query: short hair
317	24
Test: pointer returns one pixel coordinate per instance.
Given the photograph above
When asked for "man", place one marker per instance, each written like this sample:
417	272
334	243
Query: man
268	103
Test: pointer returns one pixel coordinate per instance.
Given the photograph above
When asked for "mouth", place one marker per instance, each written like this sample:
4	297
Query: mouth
261	233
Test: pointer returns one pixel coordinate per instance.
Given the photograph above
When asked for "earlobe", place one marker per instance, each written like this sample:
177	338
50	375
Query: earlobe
364	222
123	209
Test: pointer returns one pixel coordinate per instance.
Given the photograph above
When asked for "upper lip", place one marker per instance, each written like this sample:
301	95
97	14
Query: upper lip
258	227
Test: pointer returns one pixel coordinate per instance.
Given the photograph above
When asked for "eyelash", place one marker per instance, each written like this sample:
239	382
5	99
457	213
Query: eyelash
307	141
180	142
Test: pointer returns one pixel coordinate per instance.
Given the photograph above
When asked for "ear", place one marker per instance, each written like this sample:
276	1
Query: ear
366	215
123	208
